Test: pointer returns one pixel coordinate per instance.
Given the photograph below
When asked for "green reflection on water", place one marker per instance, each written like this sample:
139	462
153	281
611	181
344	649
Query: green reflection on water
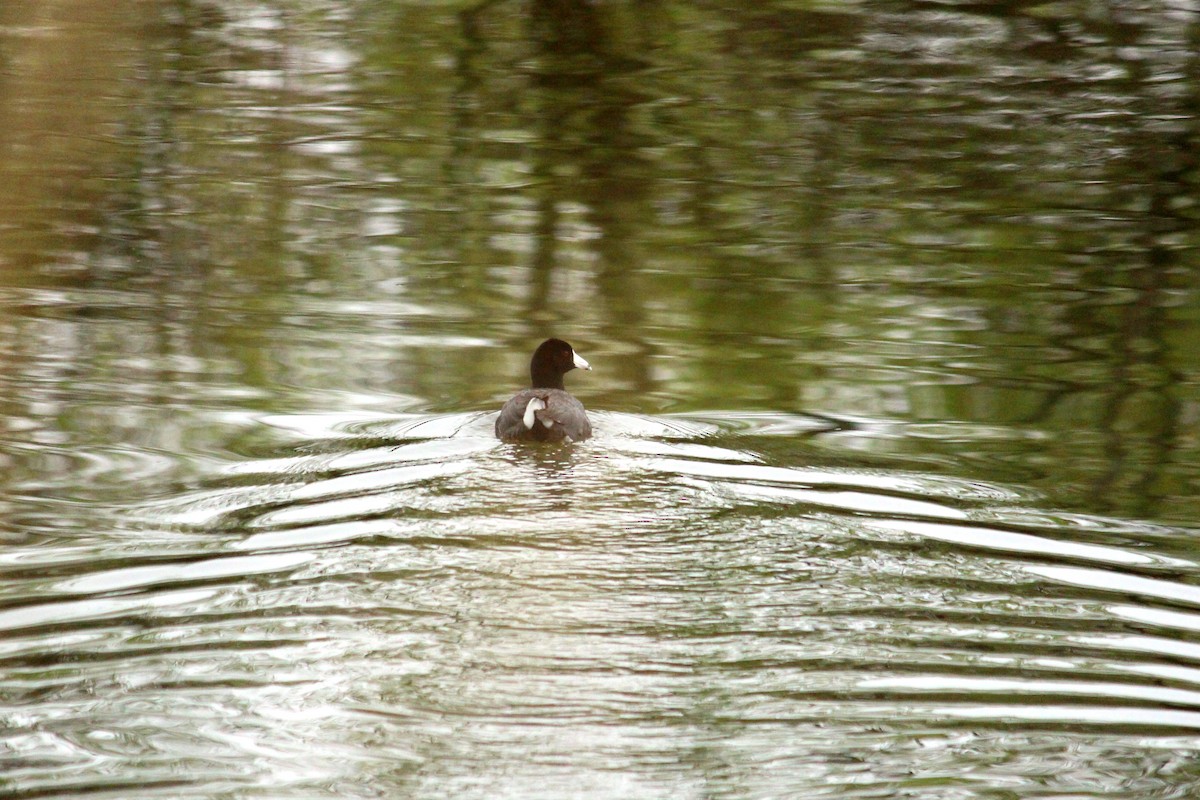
977	225
962	235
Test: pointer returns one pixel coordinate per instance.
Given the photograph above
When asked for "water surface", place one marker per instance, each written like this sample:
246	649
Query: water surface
893	315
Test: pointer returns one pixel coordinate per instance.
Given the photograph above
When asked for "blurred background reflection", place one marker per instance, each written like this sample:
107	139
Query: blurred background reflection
895	322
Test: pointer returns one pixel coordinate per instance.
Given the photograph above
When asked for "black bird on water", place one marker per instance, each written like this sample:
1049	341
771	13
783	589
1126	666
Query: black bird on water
546	412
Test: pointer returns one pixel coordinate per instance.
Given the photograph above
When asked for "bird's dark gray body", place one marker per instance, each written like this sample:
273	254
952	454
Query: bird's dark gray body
564	413
545	412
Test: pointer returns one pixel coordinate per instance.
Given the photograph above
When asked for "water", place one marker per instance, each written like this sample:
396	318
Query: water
893	318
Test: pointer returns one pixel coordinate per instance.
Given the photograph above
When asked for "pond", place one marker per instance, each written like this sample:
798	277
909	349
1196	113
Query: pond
893	311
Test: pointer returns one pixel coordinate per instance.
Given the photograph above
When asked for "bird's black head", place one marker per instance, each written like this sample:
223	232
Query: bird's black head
553	359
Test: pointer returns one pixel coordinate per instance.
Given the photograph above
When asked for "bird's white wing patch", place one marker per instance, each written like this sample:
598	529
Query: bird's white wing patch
535	405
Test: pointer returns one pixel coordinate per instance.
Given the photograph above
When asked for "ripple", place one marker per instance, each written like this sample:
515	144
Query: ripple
433	449
1108	581
366	488
1121	716
942	684
96	609
995	539
846	501
198	571
608	424
761	423
463	594
651	447
1157	617
373	481
315	535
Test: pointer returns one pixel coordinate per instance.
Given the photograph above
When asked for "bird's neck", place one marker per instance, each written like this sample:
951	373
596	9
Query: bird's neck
547	380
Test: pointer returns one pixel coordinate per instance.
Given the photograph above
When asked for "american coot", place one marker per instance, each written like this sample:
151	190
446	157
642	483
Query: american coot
546	412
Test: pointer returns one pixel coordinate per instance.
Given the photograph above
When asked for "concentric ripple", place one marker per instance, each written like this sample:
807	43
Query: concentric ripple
406	604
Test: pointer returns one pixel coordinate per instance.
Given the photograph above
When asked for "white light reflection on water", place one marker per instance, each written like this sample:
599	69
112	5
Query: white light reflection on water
445	605
265	268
